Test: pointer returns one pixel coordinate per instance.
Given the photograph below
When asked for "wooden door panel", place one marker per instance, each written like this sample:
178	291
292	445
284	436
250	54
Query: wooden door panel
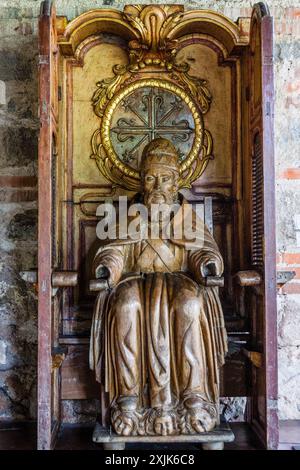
263	313
48	380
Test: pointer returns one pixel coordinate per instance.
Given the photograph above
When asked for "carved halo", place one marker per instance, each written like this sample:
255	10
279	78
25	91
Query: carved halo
106	104
164	85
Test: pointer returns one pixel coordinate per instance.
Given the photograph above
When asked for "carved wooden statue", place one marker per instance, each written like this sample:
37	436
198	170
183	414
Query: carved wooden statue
158	337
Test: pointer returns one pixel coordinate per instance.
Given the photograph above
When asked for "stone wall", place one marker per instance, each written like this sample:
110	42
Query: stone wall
18	195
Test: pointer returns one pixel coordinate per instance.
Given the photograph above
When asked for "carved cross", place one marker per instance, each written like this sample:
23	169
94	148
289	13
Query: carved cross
152	125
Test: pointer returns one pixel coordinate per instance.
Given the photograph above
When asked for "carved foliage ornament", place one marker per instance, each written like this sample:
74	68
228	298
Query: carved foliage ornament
134	109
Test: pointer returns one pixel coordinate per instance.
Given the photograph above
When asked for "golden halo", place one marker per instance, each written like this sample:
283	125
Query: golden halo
155	83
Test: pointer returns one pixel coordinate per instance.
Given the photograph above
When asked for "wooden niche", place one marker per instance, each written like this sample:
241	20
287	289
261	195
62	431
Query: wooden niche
227	68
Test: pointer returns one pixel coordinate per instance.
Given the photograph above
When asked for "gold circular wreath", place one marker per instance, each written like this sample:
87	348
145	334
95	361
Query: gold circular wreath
165	85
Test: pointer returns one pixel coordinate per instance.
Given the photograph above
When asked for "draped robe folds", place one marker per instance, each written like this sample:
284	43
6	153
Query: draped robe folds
158	334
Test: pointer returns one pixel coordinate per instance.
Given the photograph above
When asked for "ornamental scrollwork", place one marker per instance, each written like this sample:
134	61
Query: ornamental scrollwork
118	141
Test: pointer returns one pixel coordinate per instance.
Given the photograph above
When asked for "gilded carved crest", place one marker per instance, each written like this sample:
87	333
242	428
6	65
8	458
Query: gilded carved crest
153	95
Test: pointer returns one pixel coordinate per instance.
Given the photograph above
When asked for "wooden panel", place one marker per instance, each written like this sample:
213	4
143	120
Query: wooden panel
47	424
97	65
257	239
78	381
203	57
234	377
262	212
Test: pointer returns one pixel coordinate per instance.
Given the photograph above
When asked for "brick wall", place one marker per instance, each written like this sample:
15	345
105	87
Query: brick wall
18	194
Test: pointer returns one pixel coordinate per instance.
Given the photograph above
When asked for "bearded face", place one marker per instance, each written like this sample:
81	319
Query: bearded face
160	185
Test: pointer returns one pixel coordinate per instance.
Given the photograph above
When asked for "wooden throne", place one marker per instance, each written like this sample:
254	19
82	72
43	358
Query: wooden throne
219	74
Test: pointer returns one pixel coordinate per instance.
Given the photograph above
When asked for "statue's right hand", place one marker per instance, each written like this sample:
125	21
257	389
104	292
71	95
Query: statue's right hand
102	272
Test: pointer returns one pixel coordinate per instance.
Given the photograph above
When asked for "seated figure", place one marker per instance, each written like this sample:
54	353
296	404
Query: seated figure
158	336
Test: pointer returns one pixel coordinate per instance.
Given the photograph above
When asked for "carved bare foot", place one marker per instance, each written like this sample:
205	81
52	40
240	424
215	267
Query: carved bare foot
199	418
124	425
164	423
124	416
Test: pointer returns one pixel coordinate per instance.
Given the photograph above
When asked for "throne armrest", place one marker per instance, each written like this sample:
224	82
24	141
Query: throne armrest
248	278
217	281
96	285
64	279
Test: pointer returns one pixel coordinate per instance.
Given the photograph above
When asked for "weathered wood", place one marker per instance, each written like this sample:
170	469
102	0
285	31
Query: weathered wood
255	357
248	278
47	130
272	426
263	252
78	381
74	340
98	284
234	376
64	279
58	356
214	281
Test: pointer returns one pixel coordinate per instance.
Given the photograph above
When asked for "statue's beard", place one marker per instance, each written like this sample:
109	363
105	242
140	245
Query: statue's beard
158	197
156	203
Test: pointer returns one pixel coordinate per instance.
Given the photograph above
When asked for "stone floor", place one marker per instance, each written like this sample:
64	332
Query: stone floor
22	436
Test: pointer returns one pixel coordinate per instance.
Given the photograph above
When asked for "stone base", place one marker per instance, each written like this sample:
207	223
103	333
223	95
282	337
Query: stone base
212	440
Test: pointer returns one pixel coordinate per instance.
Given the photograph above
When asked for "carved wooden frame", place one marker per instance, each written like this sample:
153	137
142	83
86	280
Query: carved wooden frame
231	41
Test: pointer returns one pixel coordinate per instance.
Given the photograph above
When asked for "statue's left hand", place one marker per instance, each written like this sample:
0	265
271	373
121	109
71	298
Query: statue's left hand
102	272
209	268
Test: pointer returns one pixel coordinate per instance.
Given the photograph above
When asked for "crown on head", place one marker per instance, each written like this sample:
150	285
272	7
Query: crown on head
161	152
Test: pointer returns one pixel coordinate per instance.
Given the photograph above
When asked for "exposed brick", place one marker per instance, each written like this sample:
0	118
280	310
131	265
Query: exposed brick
291	288
290	174
291	259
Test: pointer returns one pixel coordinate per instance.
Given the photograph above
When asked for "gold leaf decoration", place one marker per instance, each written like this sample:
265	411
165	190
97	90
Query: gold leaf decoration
195	171
138	24
106	89
198	89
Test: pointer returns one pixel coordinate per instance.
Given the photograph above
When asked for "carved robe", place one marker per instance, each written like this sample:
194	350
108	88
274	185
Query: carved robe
159	334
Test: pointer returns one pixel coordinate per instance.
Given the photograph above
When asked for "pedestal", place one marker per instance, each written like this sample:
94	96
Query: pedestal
212	440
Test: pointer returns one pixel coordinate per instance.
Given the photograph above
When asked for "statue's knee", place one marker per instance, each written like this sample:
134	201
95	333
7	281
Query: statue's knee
125	302
190	306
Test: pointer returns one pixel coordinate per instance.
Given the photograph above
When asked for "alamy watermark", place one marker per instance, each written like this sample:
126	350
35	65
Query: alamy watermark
136	221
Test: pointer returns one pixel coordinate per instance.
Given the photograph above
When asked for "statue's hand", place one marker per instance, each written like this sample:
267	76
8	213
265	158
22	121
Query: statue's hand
102	272
209	268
